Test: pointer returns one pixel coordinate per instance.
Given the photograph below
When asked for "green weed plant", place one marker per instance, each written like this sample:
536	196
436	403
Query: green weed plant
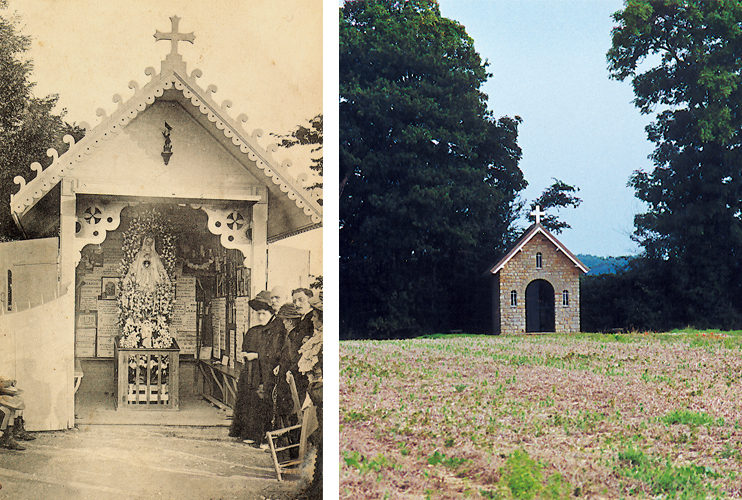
355	416
686	482
357	461
521	478
691	419
438	458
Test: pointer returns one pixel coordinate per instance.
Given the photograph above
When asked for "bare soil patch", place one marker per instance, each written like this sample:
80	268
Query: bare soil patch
550	416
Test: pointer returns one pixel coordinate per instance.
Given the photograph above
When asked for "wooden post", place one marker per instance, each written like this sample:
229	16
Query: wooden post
68	258
258	264
174	379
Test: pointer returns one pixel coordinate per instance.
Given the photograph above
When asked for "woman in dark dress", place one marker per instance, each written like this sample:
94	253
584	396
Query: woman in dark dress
253	406
284	405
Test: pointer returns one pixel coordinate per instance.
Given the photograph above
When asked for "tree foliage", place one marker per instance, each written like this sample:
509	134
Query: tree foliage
557	196
630	299
28	126
312	136
428	177
684	60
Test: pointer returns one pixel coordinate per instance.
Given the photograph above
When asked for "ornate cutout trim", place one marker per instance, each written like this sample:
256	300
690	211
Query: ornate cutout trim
94	220
29	193
233	225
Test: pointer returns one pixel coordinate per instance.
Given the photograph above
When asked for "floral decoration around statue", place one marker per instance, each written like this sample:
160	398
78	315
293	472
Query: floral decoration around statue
147	291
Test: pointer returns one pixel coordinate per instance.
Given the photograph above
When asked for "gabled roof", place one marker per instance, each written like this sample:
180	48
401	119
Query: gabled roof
528	236
301	210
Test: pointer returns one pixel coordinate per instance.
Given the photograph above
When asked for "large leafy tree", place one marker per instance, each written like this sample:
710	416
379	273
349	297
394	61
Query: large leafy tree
28	126
684	59
428	178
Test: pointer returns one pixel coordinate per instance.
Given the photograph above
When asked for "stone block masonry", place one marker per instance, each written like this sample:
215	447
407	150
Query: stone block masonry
556	268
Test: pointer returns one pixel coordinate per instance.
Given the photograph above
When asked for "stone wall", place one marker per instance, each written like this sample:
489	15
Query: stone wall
557	269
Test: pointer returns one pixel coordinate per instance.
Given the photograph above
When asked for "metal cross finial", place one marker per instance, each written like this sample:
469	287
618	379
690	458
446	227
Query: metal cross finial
174	36
538	213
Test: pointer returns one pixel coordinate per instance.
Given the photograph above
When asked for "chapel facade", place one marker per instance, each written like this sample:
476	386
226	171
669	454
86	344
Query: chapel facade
535	286
215	200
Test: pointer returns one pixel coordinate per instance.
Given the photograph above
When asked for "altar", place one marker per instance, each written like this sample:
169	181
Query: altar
147	378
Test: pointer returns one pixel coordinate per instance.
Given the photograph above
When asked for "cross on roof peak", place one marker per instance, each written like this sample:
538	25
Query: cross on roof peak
174	36
538	213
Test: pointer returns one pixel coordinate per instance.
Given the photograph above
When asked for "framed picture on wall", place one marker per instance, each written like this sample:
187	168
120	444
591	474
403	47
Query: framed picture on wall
205	353
109	288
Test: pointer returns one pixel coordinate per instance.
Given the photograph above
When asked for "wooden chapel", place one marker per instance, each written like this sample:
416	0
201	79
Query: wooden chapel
169	148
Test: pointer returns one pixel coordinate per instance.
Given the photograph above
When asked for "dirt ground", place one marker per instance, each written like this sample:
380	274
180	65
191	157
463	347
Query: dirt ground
99	462
644	415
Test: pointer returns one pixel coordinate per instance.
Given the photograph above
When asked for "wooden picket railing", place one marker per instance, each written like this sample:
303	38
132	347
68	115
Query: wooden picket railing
146	379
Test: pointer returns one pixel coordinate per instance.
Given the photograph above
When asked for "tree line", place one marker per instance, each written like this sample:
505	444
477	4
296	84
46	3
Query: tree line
429	178
691	233
28	124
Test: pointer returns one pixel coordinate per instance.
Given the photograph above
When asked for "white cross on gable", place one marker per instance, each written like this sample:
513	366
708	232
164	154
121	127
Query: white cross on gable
538	213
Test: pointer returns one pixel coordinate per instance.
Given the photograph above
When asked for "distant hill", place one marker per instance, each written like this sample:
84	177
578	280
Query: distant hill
603	265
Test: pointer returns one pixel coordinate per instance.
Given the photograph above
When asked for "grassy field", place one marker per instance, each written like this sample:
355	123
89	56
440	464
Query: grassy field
551	416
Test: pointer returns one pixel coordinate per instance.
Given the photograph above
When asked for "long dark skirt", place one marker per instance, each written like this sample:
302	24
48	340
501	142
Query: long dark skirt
249	413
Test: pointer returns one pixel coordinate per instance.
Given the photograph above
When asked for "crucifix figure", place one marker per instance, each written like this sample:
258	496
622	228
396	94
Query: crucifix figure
174	36
538	213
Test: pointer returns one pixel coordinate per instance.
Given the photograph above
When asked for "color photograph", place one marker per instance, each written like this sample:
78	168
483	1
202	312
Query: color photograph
539	231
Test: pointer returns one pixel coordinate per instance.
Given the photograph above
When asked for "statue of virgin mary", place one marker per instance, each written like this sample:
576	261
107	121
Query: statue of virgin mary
146	271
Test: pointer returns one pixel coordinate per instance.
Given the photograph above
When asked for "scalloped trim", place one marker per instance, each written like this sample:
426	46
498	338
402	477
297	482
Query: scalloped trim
29	193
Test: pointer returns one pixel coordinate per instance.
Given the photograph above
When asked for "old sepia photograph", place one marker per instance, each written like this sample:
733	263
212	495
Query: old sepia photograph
161	233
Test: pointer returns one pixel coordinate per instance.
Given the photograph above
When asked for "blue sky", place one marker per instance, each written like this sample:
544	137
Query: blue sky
548	63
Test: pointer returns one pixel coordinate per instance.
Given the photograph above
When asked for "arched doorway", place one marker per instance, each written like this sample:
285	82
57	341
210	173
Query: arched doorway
539	306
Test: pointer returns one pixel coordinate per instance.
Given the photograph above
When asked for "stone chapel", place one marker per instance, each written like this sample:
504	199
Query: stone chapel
535	286
169	149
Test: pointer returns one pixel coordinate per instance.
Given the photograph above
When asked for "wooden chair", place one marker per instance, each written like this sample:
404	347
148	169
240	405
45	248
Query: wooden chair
285	466
307	423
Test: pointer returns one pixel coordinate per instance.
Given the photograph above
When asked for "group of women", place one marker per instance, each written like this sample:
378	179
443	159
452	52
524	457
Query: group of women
282	365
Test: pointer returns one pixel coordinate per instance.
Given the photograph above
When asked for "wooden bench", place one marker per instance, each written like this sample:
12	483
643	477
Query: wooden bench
225	379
